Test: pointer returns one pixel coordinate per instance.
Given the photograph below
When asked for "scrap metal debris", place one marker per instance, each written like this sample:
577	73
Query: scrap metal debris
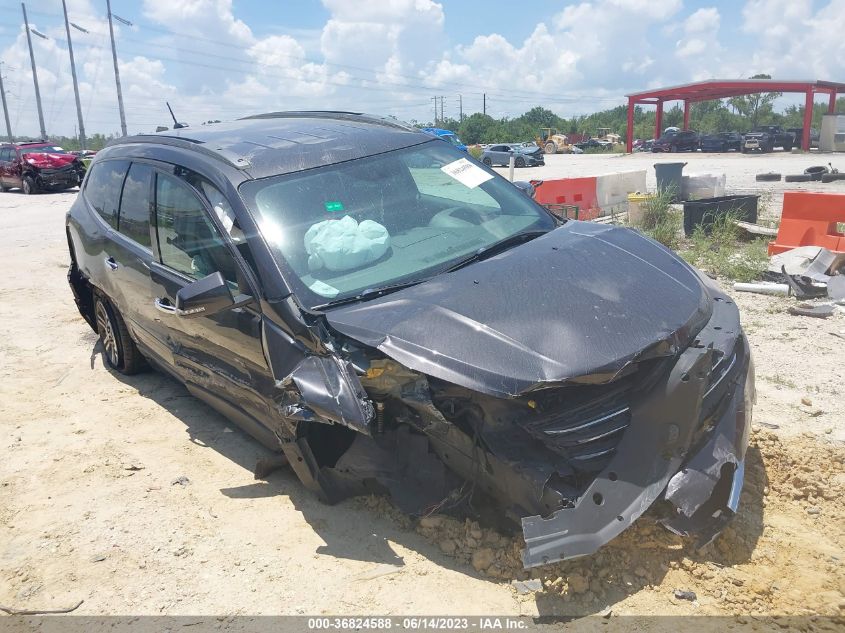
527	586
682	594
764	288
822	311
13	611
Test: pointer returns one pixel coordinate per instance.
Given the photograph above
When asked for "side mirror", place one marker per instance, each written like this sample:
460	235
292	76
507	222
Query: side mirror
204	297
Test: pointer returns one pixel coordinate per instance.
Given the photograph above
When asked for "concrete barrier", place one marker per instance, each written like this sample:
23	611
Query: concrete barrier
595	196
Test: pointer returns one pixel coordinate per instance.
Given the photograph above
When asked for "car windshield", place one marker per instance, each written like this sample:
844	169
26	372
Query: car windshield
379	221
42	149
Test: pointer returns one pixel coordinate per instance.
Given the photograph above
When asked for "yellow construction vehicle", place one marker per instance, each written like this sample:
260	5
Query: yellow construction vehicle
552	141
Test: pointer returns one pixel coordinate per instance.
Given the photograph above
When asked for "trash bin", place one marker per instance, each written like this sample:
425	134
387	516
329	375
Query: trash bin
635	207
670	178
705	211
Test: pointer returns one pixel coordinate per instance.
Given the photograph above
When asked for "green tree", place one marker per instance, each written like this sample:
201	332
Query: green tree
475	127
755	106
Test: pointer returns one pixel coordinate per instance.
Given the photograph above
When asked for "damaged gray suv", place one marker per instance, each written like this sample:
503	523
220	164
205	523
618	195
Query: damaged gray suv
396	318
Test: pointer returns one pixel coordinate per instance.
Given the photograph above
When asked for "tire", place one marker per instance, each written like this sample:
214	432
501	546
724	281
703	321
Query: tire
832	177
119	349
768	177
787	147
550	148
28	186
798	178
486	160
816	172
519	162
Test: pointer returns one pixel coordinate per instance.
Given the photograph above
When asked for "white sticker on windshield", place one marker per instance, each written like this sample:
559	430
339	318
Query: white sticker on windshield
466	173
323	289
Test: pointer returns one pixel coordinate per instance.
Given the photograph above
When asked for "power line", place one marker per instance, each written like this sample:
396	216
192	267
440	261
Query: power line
438	85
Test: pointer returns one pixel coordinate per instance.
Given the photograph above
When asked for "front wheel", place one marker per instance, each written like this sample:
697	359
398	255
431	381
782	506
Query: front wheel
119	349
28	186
551	148
519	162
487	161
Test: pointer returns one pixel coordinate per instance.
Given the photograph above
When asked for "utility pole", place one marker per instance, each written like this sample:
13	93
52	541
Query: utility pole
34	74
460	107
435	111
484	107
442	118
116	73
75	84
5	108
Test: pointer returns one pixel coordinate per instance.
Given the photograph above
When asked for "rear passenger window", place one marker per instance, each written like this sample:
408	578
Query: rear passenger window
102	189
6	155
134	220
188	240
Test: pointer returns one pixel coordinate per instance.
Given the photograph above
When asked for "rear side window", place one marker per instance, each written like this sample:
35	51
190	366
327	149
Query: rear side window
134	220
102	189
6	154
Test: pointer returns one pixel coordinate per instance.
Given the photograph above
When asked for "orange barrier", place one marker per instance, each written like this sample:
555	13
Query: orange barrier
810	219
580	192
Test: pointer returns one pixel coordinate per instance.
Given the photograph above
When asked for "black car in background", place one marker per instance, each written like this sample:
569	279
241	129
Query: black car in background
593	143
798	135
375	305
721	142
682	141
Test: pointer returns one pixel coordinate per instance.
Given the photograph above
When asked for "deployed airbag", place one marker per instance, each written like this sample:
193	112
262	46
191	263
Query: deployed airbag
345	244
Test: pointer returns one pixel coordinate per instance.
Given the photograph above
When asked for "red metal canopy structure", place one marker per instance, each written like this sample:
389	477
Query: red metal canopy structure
724	88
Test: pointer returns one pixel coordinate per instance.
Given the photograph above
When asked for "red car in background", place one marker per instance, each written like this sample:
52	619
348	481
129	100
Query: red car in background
38	166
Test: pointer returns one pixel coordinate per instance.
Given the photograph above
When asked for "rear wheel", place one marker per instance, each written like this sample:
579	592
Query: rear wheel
119	349
28	186
487	161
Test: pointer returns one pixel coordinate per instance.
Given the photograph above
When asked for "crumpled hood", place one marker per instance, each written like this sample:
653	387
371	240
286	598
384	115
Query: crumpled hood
582	300
48	160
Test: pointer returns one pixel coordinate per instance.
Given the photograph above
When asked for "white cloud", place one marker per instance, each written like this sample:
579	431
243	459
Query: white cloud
796	38
703	21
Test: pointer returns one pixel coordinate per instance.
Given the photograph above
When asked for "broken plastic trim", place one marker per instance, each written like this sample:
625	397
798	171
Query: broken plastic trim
662	422
330	388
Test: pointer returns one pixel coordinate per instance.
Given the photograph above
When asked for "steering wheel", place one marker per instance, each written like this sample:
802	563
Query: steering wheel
446	219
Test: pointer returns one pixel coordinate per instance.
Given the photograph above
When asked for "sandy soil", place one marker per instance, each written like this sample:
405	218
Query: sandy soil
89	508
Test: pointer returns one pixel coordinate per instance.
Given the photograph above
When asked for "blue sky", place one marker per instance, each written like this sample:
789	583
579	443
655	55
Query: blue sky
217	59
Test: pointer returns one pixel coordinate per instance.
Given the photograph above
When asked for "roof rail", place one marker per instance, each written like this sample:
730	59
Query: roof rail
231	158
334	114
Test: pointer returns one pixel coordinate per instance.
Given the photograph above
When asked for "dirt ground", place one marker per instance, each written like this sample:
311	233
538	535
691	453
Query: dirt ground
127	493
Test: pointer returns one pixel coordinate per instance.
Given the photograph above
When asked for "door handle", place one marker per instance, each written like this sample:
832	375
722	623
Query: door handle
163	305
111	263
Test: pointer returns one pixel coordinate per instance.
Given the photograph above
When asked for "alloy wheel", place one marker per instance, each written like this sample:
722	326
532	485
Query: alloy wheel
106	331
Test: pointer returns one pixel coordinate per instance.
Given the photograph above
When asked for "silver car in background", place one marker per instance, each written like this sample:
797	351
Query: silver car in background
525	155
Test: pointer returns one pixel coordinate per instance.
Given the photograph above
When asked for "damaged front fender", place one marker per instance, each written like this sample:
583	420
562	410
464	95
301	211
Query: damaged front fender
316	388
